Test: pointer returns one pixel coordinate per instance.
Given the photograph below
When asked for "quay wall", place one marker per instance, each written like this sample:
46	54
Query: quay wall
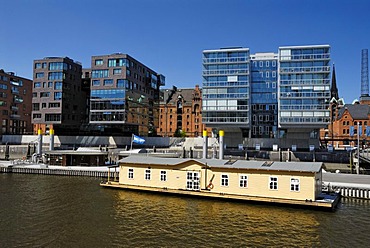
58	172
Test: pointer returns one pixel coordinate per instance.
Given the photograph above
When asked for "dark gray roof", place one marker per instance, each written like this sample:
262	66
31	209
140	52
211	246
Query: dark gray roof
357	111
186	94
235	164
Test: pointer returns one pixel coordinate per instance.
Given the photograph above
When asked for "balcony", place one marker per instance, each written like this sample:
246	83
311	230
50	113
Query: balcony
226	72
225	60
314	69
305	57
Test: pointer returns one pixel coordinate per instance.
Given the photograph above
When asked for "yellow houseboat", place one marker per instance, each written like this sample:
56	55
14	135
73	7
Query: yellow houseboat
298	183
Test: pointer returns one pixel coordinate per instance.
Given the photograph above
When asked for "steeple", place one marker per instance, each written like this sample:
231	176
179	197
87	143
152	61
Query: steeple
334	89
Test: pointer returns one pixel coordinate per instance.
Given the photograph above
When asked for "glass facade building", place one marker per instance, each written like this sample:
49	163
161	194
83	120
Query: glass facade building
304	86
226	91
264	100
124	97
267	95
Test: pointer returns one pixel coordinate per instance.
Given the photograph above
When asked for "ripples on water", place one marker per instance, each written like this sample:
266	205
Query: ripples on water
52	211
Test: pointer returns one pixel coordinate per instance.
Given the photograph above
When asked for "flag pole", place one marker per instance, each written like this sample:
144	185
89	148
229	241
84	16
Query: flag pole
132	139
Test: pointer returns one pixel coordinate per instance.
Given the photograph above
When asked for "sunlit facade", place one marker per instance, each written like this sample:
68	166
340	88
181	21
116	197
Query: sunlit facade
15	104
304	86
124	97
58	99
226	89
267	95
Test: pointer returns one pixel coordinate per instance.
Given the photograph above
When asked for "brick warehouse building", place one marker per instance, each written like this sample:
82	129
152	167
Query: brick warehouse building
181	113
15	104
347	119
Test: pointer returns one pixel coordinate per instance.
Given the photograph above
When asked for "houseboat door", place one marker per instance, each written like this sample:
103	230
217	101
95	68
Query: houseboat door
192	180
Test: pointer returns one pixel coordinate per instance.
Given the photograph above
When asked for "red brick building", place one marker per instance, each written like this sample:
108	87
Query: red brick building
180	113
15	104
343	128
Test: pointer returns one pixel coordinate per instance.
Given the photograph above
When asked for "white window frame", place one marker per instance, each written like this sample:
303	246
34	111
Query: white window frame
273	183
130	173
295	185
148	174
163	176
224	180
243	181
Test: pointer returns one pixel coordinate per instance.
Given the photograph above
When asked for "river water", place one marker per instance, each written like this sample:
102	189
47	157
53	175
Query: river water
55	211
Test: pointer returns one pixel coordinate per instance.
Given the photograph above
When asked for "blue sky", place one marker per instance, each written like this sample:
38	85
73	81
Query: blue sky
170	35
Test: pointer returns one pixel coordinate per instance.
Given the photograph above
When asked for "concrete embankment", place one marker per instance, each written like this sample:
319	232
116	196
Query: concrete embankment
349	185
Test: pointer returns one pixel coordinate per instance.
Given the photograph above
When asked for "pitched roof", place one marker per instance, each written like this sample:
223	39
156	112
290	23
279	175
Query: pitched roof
233	164
170	96
357	111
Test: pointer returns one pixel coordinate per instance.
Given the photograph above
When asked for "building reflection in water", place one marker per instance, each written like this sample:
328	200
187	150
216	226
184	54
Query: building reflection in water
155	219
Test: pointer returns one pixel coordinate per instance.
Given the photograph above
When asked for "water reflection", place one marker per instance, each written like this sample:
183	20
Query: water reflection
52	211
156	219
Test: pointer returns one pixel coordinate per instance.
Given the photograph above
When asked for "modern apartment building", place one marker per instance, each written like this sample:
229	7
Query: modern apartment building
268	95
181	113
264	100
226	90
58	99
304	87
15	104
124	97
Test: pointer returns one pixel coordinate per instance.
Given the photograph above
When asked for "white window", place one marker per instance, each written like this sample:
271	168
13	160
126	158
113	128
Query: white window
294	184
147	174
225	180
273	183
274	74
273	63
130	173
163	175
267	64
267	74
273	85
261	63
243	181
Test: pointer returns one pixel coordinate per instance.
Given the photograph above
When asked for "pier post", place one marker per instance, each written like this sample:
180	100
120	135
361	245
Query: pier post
221	136
39	141
205	143
51	144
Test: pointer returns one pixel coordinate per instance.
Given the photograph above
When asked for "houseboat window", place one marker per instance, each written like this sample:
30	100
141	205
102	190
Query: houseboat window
130	173
224	180
294	184
147	174
192	180
243	181
274	183
163	175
